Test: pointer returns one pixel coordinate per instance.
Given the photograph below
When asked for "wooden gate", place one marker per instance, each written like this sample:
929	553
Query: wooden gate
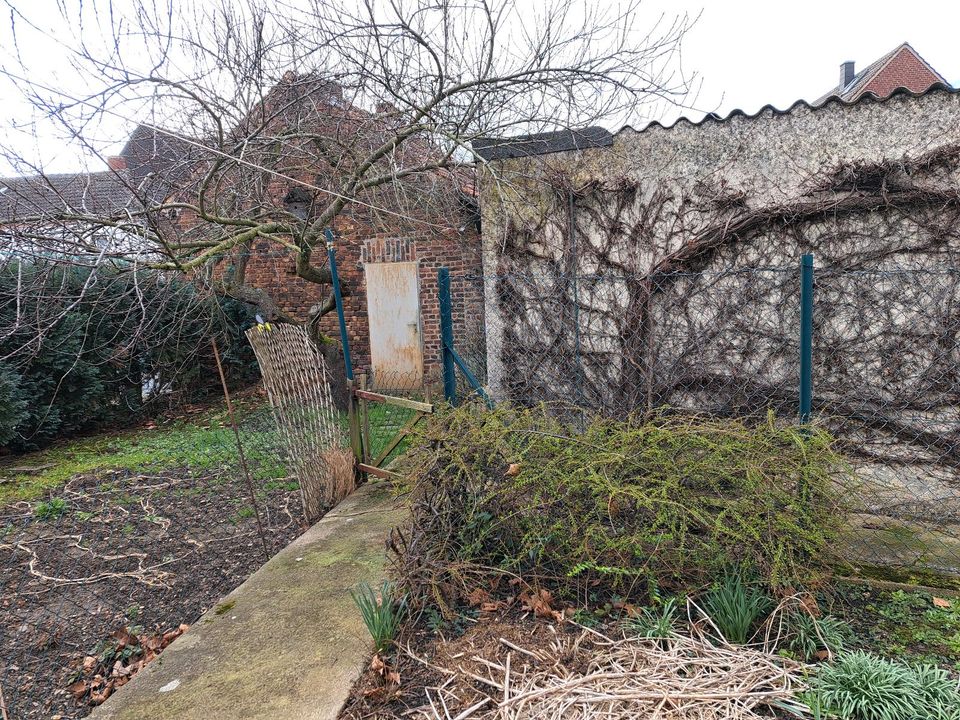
382	423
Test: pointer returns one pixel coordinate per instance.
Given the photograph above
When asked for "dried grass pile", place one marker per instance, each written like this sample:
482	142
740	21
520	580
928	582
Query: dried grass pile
593	676
337	463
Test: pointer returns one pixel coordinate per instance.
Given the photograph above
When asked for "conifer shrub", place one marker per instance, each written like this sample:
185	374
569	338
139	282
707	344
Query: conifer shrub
77	351
589	505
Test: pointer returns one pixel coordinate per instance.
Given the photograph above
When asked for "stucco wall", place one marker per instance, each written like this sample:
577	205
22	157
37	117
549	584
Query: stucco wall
663	270
690	181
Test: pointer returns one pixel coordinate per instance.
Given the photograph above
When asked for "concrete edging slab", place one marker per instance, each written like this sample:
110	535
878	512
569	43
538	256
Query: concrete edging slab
288	643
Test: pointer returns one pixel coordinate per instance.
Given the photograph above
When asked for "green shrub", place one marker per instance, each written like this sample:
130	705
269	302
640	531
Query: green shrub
381	615
617	507
938	693
807	636
735	605
77	347
14	404
861	686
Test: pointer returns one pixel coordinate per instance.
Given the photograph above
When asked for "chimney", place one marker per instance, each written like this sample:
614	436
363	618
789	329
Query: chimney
117	162
846	73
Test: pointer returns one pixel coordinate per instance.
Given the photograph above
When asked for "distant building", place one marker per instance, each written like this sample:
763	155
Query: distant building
902	67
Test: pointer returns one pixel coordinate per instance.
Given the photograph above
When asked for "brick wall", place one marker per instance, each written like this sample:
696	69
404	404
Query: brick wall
904	70
420	218
272	269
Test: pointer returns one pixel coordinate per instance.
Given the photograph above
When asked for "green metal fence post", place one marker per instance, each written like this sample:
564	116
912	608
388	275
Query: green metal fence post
806	337
335	281
353	414
446	336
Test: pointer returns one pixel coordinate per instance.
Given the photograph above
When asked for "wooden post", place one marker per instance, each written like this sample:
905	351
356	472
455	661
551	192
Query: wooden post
365	422
353	420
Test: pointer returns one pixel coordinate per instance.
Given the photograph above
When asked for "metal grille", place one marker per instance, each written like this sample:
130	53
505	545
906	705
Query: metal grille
885	372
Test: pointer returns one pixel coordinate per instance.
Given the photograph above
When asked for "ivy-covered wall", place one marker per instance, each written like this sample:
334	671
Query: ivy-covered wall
663	270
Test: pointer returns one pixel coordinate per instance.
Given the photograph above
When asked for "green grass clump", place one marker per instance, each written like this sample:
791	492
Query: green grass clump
735	606
862	686
808	636
592	504
381	614
51	509
659	623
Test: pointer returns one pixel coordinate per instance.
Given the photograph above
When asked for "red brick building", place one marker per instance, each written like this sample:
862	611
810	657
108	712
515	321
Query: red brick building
389	245
901	67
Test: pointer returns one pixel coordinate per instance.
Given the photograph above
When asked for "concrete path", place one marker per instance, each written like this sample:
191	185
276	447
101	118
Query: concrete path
287	644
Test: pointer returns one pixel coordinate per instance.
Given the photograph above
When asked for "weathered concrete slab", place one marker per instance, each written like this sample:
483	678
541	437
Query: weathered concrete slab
288	643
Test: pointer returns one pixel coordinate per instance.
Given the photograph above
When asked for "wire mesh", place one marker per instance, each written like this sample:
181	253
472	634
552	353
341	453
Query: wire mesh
384	423
886	377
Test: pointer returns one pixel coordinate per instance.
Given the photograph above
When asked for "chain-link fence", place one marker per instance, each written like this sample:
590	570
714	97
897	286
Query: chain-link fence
109	544
885	372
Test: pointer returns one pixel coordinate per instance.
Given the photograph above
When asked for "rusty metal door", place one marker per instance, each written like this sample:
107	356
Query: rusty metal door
393	311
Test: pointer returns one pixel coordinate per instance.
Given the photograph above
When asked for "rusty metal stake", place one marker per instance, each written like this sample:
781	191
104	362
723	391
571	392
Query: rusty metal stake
243	458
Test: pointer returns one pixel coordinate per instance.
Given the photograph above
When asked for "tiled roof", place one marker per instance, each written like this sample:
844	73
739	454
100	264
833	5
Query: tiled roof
854	88
157	161
35	196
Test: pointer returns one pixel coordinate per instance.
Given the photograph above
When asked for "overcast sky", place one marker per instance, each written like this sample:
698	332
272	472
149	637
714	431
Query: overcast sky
754	52
748	53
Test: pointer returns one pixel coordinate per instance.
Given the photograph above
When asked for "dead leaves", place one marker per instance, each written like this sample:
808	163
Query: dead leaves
124	655
387	680
540	602
481	599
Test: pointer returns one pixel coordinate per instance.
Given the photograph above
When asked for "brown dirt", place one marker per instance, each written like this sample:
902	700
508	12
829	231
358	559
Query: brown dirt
137	551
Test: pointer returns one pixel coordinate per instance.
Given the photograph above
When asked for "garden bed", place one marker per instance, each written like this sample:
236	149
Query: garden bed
100	569
504	649
674	566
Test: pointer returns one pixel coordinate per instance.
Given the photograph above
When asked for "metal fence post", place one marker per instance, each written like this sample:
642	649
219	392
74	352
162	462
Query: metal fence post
335	281
806	337
446	336
353	411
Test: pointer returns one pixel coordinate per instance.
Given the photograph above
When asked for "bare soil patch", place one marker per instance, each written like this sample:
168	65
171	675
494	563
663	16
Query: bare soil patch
121	551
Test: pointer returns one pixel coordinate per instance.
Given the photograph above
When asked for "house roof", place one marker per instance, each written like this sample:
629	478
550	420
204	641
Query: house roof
36	196
542	143
533	145
157	161
858	85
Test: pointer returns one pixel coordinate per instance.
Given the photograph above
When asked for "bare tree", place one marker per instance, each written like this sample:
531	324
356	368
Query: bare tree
277	121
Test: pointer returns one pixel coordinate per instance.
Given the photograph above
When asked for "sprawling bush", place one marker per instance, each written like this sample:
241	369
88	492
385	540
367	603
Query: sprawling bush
77	350
620	507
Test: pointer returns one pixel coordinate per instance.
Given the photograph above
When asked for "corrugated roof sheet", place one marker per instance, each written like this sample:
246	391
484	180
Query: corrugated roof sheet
544	143
541	143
